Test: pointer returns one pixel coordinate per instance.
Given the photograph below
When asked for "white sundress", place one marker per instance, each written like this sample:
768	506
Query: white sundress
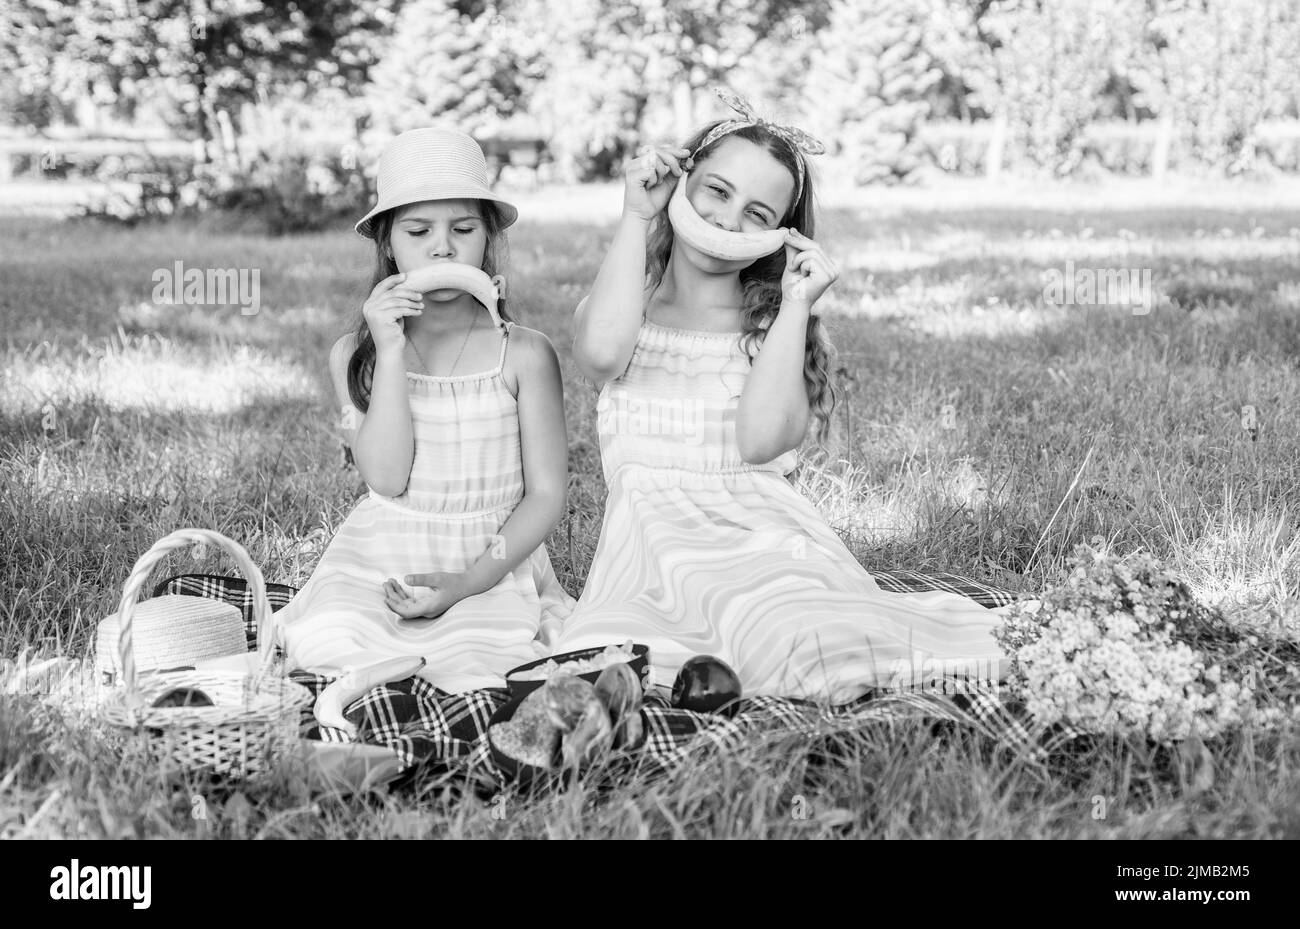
702	553
466	479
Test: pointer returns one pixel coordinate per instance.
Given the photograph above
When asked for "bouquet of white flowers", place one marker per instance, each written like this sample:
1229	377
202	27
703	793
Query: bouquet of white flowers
1113	650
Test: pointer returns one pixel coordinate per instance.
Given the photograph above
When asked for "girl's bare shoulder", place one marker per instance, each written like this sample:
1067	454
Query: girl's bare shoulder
530	354
530	345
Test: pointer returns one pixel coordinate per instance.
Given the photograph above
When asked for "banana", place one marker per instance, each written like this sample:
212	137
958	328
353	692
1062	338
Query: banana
354	682
702	235
452	275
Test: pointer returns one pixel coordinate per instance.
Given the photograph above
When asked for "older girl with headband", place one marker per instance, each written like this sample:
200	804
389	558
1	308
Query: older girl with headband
701	332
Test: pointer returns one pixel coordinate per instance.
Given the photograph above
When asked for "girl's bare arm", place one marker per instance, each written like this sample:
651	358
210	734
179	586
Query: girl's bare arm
606	323
772	417
382	441
773	413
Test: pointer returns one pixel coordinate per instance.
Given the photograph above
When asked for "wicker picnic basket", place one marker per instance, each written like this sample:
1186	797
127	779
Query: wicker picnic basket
253	716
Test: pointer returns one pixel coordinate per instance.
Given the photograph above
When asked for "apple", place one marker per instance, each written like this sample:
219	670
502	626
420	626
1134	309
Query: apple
707	684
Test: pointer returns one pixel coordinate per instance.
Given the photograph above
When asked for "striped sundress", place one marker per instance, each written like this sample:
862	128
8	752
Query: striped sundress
466	479
701	553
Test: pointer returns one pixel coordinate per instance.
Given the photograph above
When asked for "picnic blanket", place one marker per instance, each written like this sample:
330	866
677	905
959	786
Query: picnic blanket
428	728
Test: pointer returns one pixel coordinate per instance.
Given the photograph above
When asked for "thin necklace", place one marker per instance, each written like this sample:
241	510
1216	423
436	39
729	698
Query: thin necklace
468	332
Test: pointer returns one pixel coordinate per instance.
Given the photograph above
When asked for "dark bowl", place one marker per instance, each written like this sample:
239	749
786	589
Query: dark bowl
640	663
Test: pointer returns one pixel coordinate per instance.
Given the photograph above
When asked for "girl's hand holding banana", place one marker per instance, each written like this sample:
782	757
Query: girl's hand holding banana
808	272
651	177
389	303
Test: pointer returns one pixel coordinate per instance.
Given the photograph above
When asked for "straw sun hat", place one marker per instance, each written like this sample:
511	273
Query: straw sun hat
432	164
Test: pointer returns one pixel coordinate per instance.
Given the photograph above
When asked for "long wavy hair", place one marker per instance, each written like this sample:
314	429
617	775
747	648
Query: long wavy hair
361	366
761	281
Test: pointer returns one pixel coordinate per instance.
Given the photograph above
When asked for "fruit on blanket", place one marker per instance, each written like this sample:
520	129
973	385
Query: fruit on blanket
619	689
701	234
354	682
452	275
707	685
577	711
529	737
184	696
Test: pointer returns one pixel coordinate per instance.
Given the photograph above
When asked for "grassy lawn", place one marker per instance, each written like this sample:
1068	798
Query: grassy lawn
983	432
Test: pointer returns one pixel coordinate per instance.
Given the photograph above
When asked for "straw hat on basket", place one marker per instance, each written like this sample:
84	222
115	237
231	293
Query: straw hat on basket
432	164
170	632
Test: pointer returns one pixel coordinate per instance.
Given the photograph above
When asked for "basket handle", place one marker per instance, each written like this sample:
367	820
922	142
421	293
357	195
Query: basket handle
182	538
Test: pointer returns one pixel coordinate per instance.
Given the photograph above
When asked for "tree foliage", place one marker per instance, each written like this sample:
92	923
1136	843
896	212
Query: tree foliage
593	79
437	69
1217	70
868	87
187	60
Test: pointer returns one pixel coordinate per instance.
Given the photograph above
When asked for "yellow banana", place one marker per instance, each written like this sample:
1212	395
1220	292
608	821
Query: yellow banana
354	682
452	275
701	234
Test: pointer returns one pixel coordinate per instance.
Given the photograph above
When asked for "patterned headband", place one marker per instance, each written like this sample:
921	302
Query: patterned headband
800	142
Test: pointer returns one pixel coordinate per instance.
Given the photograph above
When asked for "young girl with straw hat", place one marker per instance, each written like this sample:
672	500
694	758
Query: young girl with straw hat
455	418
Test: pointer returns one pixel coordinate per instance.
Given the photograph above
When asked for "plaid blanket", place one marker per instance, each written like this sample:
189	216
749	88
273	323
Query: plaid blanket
429	728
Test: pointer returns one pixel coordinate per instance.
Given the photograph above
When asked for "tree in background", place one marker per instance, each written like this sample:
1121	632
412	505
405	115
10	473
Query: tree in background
700	43
440	67
1051	61
775	71
191	62
617	73
44	69
962	56
591	81
1035	72
1213	71
868	86
595	78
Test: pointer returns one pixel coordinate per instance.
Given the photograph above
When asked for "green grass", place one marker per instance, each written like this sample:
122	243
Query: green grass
1066	424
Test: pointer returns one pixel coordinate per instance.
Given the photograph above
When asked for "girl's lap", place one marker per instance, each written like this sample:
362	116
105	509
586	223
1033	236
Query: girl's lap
471	645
